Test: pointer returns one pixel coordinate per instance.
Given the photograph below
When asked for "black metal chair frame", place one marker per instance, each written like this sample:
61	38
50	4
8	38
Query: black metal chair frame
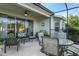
15	42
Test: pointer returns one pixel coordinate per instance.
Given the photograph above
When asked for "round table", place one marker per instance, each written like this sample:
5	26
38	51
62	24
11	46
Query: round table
63	45
65	42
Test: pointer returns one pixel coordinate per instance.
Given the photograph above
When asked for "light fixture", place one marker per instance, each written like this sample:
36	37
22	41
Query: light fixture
25	13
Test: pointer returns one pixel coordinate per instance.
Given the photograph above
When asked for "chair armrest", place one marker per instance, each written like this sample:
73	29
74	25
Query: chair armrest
18	40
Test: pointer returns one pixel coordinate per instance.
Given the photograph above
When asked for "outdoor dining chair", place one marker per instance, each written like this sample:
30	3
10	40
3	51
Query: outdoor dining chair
40	35
50	46
62	35
11	41
55	35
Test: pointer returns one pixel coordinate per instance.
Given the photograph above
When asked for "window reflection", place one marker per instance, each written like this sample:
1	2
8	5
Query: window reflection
15	26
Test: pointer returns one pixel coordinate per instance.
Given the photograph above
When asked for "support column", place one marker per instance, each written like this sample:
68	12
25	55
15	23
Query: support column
15	26
52	27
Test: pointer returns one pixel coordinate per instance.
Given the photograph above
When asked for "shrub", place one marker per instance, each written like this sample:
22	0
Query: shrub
0	43
45	32
71	30
1	40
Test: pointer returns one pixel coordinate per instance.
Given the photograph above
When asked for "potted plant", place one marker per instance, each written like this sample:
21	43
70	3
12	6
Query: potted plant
45	33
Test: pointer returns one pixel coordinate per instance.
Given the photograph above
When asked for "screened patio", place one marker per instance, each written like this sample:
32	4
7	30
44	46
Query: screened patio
58	41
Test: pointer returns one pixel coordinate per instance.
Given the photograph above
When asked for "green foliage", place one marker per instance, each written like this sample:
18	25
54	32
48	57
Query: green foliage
45	32
73	24
1	40
21	34
3	35
10	37
73	28
73	21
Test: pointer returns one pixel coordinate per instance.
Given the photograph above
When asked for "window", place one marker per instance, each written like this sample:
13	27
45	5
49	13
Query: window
57	25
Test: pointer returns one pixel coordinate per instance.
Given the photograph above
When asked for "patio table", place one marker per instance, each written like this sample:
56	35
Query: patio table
63	44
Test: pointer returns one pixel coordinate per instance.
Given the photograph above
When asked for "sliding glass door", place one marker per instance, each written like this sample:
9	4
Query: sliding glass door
3	27
10	26
20	28
16	26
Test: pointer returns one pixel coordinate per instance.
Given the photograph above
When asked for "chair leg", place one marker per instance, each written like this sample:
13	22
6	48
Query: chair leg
17	48
4	48
9	46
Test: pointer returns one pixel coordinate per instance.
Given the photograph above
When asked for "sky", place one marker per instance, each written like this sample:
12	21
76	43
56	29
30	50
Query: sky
60	6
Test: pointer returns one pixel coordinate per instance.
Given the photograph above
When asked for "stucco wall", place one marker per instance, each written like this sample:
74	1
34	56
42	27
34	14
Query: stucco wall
52	26
38	25
61	25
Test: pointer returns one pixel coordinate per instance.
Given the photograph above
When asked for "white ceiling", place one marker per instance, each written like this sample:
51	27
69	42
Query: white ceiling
15	8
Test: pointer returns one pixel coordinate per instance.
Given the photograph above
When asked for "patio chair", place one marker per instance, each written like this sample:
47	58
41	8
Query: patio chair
50	46
23	37
62	35
11	41
36	36
55	35
40	35
31	37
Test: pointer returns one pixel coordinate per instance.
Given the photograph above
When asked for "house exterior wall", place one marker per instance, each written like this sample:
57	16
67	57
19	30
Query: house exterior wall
52	27
62	25
53	33
38	25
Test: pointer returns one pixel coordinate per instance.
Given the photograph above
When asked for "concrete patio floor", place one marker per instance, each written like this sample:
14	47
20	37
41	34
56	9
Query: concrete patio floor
32	49
27	49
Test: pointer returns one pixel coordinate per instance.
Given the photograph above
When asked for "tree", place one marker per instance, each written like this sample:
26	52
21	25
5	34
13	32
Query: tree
73	21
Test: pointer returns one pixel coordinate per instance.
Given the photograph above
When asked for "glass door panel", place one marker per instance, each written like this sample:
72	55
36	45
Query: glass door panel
20	27
30	28
3	27
11	26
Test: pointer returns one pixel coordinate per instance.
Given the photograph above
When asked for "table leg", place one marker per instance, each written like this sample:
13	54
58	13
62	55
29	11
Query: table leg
62	50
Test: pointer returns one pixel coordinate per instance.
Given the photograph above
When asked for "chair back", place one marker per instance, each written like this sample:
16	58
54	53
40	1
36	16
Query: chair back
55	35
51	46
10	38
62	35
40	35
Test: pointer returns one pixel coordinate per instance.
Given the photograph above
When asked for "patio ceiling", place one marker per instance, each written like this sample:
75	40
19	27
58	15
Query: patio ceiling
18	11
